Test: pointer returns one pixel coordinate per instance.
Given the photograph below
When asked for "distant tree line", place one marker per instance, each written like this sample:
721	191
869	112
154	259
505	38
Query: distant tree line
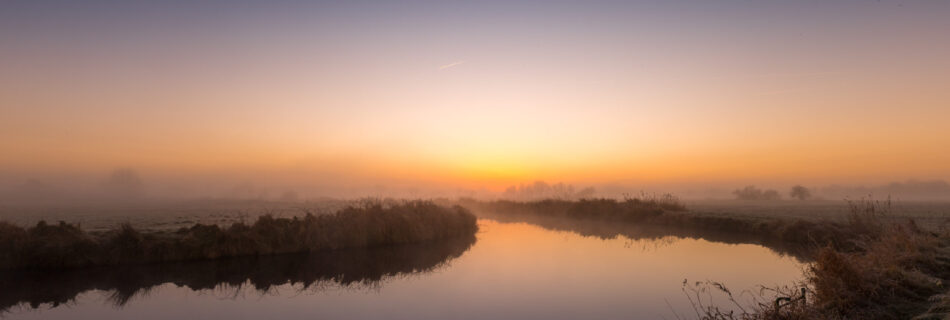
542	190
754	193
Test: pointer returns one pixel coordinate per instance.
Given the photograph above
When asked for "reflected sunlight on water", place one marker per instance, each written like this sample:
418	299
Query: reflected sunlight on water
513	270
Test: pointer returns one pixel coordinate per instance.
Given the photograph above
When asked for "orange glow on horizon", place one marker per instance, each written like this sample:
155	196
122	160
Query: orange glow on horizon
475	105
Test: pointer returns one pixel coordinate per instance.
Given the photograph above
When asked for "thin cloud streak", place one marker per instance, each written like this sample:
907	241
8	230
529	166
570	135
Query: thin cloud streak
453	64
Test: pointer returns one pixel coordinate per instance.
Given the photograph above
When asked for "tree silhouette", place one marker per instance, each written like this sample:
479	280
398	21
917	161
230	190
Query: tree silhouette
800	192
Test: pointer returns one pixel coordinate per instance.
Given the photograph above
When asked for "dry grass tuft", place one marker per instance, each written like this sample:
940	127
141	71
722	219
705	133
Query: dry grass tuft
883	271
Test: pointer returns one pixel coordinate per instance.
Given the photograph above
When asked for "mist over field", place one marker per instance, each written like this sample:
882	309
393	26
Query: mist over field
491	159
127	185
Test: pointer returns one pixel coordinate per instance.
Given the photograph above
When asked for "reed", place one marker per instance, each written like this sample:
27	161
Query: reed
889	271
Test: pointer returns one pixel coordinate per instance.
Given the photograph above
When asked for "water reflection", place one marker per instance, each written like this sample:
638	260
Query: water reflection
654	235
316	271
513	271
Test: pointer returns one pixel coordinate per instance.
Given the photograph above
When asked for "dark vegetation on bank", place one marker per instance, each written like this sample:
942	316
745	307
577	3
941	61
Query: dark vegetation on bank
57	246
868	267
650	232
310	272
889	270
668	211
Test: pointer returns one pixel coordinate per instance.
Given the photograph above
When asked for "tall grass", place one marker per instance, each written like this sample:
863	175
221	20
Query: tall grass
886	271
51	246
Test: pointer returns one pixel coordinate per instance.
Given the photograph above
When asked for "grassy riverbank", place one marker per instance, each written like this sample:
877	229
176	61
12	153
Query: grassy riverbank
871	266
52	246
889	271
667	211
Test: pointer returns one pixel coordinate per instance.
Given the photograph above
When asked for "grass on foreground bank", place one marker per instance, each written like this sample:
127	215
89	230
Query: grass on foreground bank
52	246
891	271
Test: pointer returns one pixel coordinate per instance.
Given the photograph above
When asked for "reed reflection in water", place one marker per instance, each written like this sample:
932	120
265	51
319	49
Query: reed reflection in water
351	268
513	271
652	234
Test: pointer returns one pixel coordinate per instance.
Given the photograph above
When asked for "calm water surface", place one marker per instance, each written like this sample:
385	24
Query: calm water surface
512	270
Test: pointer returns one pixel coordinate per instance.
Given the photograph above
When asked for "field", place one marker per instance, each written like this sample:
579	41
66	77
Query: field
158	215
929	214
175	214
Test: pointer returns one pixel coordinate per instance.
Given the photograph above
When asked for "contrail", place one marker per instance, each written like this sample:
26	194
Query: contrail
446	66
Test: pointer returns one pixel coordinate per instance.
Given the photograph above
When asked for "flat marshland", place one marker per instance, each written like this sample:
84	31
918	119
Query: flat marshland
64	245
857	260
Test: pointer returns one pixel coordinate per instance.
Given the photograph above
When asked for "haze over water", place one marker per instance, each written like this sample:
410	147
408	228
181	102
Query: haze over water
491	159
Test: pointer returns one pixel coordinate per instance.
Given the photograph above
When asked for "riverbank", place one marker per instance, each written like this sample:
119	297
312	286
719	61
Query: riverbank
667	211
871	266
63	245
896	272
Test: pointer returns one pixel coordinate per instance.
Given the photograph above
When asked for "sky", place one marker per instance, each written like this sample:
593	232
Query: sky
479	94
